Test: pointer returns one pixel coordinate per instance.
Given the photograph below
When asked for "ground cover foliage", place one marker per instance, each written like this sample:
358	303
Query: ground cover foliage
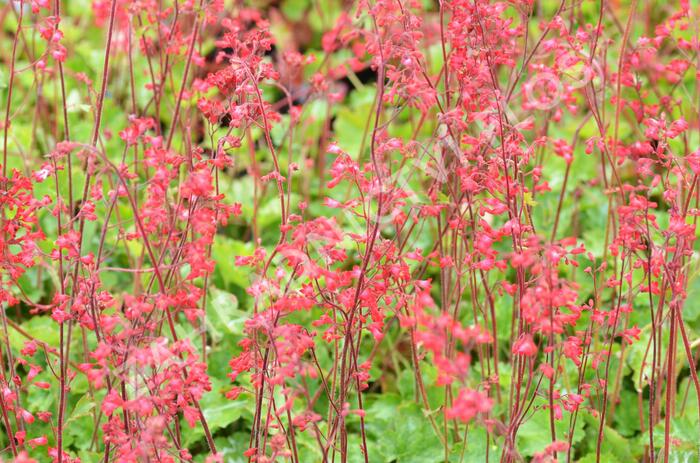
349	231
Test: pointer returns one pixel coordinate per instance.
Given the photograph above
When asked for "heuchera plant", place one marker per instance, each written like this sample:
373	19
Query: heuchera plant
349	231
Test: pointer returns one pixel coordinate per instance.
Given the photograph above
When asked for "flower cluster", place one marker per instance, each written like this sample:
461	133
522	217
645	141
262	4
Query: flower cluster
236	228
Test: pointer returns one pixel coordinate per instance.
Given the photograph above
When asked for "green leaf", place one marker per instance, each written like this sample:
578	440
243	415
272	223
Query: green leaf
294	9
232	447
606	457
224	252
613	442
223	317
41	328
475	448
534	434
219	411
402	431
82	408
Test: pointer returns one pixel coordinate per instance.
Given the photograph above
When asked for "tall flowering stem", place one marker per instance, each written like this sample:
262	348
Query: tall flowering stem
372	230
